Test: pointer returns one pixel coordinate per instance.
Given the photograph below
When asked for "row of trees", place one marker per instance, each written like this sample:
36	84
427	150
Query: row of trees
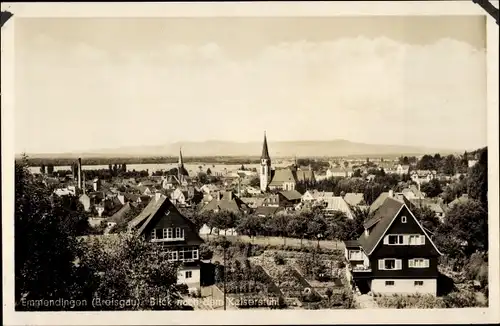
306	224
448	165
52	263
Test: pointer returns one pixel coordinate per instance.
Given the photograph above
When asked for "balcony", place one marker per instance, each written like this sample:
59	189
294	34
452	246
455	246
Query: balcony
361	269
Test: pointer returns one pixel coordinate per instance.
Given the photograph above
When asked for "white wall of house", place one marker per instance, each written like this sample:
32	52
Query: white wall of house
404	286
193	282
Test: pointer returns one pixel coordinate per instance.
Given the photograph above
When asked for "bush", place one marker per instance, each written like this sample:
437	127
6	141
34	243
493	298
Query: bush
279	259
206	252
417	301
462	299
183	288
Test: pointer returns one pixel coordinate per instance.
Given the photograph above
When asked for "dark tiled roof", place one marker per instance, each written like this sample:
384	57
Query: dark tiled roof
384	216
291	195
351	243
228	202
118	216
267	210
378	202
304	175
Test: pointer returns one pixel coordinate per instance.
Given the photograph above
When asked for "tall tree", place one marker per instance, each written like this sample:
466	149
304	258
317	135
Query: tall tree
477	185
44	250
432	188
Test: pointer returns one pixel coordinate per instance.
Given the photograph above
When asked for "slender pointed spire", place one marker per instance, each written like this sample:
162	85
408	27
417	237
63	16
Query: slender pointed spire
181	161
265	150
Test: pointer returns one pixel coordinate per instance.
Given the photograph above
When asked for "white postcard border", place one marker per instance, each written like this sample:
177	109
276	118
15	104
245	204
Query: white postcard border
256	9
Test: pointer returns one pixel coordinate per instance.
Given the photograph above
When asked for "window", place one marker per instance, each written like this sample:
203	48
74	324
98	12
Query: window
418	263
418	283
195	254
153	235
177	233
172	256
394	239
403	219
389	264
389	283
169	233
189	274
416	239
164	233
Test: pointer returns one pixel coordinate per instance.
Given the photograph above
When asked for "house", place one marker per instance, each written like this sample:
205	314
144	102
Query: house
413	193
434	206
315	196
471	163
161	223
394	255
226	201
267	211
253	202
85	200
253	191
423	176
289	198
179	197
340	171
145	190
117	217
209	189
402	169
333	204
462	199
354	199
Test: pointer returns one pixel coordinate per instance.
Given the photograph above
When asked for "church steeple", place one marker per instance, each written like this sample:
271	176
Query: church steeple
265	166
181	172
181	161
265	150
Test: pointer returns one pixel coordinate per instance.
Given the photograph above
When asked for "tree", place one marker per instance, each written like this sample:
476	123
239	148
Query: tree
432	188
42	169
357	173
467	224
448	165
130	268
209	172
477	185
426	217
124	167
372	192
426	163
44	250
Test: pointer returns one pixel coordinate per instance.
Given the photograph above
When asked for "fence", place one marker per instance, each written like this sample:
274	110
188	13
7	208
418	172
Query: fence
279	241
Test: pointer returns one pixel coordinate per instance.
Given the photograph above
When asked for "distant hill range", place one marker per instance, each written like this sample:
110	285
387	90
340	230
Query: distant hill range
334	148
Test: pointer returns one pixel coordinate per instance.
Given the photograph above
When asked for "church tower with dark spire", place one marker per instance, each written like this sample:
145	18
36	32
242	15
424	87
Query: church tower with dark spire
180	167
265	166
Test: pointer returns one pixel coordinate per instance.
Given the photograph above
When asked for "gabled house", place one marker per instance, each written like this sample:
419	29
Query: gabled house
226	201
339	172
316	196
402	169
145	190
423	176
180	196
354	199
267	211
161	223
332	204
289	198
394	255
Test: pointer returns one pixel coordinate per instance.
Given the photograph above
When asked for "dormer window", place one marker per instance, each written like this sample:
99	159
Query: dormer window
403	219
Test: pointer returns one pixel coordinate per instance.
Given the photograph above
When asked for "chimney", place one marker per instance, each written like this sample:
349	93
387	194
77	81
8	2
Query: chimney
391	193
218	196
83	175
157	196
79	173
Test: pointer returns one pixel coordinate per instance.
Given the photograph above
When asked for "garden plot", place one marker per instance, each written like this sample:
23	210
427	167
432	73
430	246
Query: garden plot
249	286
296	290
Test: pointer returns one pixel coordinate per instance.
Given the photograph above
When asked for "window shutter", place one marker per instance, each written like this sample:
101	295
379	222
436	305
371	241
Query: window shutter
398	264
422	239
406	239
411	262
386	239
381	264
426	263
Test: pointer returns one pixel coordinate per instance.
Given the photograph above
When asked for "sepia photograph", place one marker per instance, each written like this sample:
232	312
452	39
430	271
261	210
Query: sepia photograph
250	161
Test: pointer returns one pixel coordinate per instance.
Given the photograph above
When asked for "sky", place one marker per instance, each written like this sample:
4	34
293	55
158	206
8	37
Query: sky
84	84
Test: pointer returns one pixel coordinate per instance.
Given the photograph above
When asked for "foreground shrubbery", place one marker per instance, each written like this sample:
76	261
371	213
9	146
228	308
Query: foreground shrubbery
461	299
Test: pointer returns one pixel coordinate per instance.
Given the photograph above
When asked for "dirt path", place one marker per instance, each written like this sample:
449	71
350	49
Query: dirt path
364	301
